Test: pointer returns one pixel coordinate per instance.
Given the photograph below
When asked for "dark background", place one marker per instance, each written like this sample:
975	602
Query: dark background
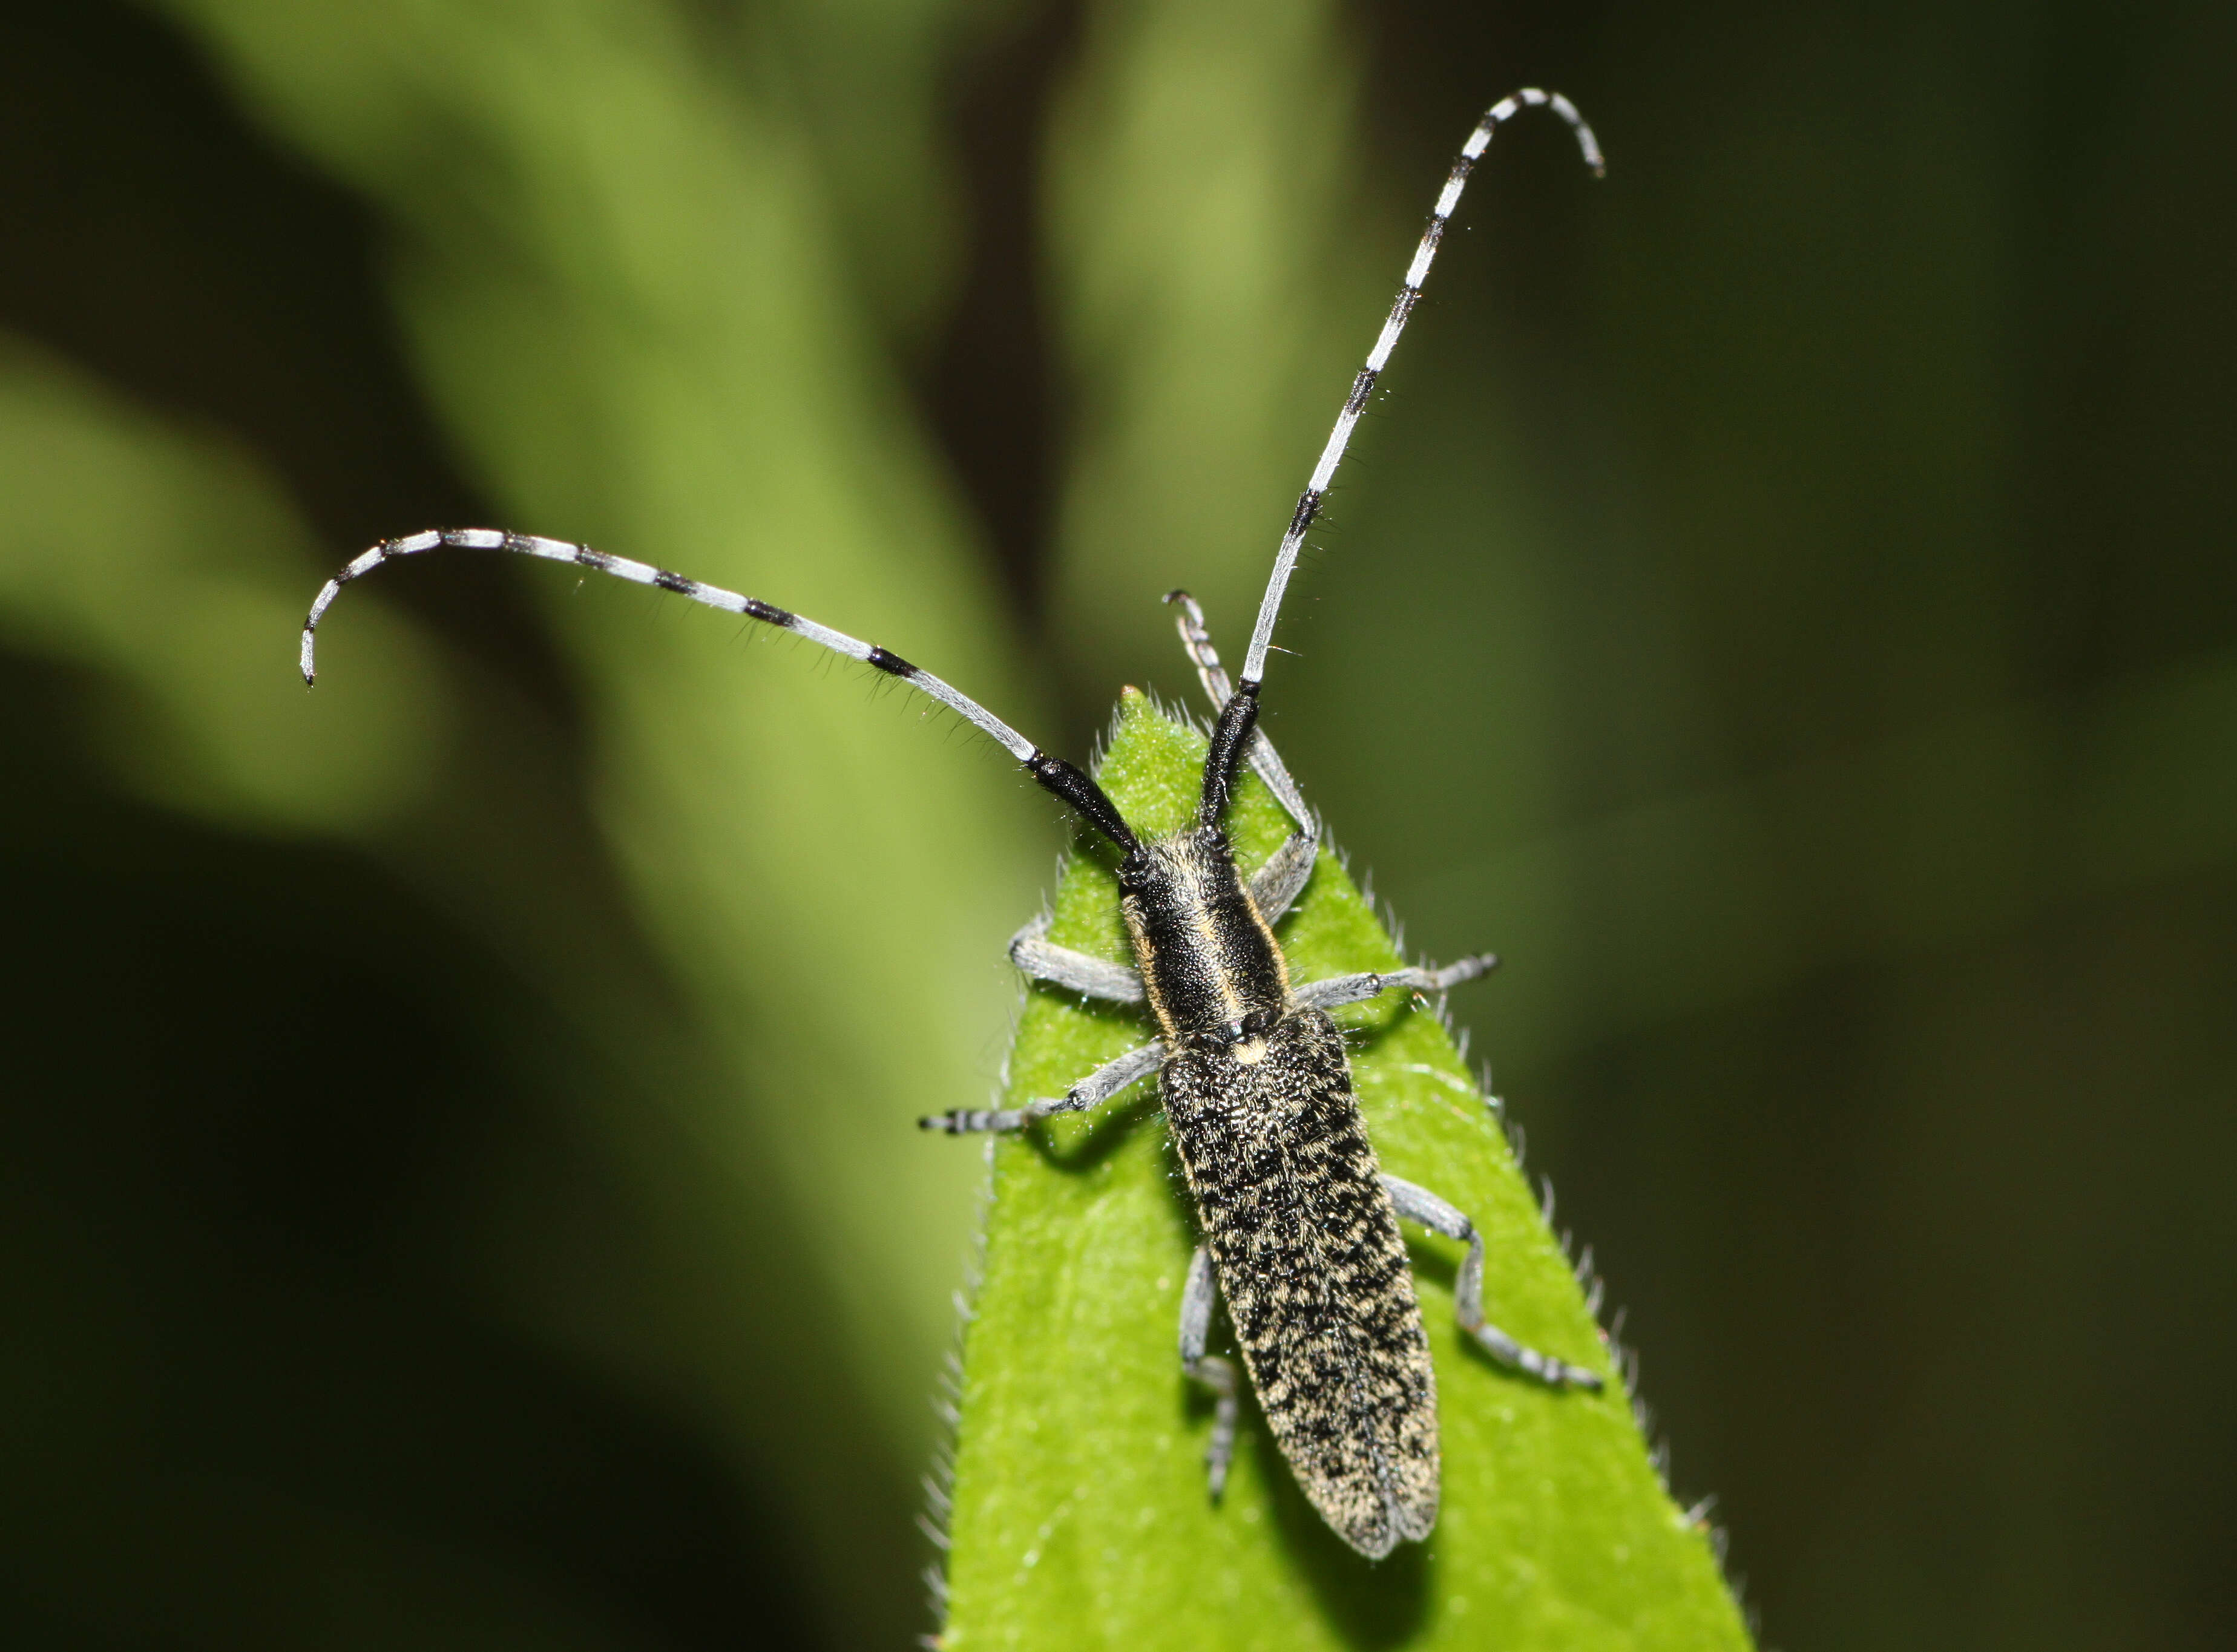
1861	449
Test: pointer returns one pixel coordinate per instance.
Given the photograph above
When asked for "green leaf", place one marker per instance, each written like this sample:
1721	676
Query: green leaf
1081	1517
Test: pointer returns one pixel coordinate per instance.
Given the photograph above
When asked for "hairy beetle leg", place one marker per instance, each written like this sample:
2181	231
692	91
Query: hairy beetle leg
1214	1373
1351	989
1419	1204
1101	1085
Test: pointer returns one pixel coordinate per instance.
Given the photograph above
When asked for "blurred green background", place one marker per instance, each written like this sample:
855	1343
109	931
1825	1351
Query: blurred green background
458	1181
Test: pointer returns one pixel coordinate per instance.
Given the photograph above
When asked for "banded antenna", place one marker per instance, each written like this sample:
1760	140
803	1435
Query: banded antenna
1054	774
1309	504
1058	777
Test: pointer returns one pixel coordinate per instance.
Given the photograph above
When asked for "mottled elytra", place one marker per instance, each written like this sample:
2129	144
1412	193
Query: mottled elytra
1300	1227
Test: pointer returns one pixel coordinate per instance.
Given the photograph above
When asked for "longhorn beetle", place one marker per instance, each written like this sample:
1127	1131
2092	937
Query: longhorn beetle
1300	1228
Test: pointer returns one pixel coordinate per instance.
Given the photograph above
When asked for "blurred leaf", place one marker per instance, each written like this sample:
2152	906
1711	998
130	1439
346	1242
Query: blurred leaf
1080	1516
623	288
619	273
1915	830
167	561
1214	292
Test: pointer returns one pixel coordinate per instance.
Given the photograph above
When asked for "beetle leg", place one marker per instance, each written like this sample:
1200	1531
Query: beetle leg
1350	988
1103	1083
1214	1373
1277	884
1094	977
1419	1204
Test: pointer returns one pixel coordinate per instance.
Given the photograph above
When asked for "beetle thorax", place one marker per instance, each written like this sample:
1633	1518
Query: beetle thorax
1215	976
